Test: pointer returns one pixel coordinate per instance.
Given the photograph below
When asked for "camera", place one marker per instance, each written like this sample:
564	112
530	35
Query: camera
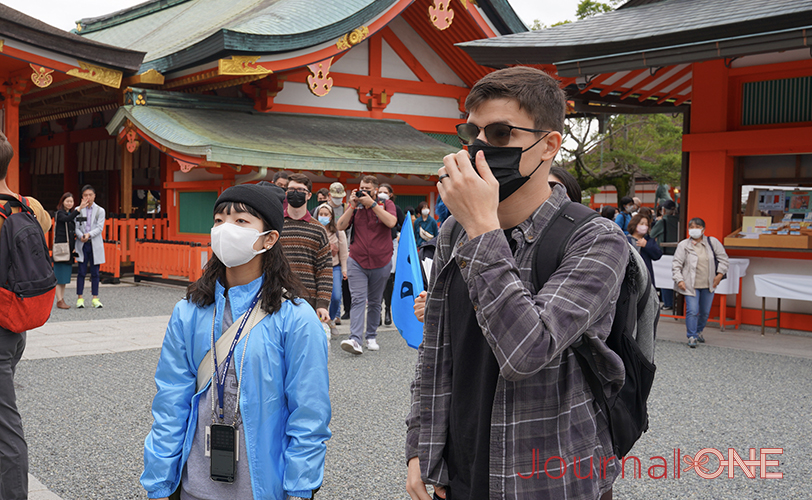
81	219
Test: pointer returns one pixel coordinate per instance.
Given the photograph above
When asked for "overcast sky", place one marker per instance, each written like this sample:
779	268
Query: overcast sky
64	13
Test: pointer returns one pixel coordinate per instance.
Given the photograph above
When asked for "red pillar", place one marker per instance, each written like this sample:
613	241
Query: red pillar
711	180
12	131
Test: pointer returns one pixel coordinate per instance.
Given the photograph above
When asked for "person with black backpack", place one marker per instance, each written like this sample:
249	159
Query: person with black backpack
26	281
505	374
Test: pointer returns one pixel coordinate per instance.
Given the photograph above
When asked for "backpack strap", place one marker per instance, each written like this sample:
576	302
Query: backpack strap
568	218
22	202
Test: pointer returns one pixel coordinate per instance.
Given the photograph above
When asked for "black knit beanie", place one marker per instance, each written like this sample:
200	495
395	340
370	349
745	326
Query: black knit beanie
263	199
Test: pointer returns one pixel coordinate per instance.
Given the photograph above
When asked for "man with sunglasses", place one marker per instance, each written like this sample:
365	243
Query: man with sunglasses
500	408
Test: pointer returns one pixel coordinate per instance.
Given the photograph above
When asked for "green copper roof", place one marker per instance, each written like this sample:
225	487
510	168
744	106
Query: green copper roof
229	131
180	33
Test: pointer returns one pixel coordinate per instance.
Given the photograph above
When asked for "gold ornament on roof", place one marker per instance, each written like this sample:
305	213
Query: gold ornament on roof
241	65
41	76
353	38
98	74
2	42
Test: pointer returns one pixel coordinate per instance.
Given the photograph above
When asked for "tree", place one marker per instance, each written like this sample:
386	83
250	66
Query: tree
589	8
630	145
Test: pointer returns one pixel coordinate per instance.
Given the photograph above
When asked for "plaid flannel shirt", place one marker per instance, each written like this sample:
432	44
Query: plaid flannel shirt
543	406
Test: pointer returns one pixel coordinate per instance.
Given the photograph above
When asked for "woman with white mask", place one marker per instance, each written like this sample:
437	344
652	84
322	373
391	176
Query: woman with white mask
645	245
242	377
425	227
700	263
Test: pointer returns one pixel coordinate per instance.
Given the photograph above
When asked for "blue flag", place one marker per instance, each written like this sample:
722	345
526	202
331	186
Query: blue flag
408	285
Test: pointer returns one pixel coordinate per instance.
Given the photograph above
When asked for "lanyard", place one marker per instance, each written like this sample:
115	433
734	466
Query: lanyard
220	382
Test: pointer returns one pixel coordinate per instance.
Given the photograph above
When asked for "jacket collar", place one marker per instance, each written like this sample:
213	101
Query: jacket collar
532	227
240	297
306	217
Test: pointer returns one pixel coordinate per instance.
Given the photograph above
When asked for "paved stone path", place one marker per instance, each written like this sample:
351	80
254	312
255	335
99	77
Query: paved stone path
380	380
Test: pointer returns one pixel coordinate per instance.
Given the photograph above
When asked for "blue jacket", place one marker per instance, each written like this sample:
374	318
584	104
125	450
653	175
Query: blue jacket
284	397
622	219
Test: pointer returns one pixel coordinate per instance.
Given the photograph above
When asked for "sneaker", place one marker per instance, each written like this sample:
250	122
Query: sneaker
333	330
80	303
352	347
700	338
337	321
372	345
346	315
96	303
692	342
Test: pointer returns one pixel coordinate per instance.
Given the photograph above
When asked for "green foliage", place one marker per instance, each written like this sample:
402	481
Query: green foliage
589	8
631	145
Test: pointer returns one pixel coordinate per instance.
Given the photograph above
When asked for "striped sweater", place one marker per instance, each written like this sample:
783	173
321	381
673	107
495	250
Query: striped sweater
305	244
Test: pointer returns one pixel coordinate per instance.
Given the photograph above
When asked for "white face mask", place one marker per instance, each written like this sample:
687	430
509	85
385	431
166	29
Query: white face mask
642	229
695	233
383	196
234	245
425	212
337	201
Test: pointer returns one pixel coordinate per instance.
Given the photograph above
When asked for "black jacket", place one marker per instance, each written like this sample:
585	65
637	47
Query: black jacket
62	218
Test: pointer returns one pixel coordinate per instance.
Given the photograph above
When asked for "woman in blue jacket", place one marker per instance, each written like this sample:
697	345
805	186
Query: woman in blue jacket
269	392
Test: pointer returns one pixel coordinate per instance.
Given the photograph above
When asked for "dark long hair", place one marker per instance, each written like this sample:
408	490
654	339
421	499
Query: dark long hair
60	205
280	282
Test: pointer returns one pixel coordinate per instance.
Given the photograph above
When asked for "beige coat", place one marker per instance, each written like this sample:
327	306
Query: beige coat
683	268
339	240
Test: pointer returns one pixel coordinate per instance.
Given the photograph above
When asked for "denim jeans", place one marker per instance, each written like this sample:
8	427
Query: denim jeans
697	310
87	250
335	299
668	297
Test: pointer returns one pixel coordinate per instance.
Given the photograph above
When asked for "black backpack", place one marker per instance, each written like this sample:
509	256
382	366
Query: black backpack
634	328
27	278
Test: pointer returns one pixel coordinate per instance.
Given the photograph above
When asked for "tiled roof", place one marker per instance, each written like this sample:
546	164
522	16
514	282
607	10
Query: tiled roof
178	33
18	26
642	26
227	131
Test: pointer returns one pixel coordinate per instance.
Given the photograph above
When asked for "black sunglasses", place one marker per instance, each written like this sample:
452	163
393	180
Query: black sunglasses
497	134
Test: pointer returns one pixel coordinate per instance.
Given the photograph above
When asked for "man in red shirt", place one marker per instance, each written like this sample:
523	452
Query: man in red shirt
369	262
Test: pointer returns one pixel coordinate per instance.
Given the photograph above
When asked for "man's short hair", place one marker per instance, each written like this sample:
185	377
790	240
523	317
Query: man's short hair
301	179
280	175
6	154
537	93
323	192
88	187
371	179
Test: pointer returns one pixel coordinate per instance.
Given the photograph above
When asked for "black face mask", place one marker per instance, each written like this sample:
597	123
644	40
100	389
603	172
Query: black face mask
296	199
504	163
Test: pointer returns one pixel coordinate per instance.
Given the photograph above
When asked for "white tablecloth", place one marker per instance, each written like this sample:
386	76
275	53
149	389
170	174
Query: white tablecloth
728	286
783	286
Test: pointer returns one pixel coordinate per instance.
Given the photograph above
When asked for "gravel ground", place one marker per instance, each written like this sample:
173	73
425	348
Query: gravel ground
121	301
86	437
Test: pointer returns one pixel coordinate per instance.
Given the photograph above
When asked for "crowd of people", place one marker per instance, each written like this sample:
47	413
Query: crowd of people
241	419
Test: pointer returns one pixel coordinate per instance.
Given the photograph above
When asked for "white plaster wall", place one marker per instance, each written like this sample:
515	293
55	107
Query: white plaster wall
339	97
355	62
433	63
411	104
393	66
759	265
